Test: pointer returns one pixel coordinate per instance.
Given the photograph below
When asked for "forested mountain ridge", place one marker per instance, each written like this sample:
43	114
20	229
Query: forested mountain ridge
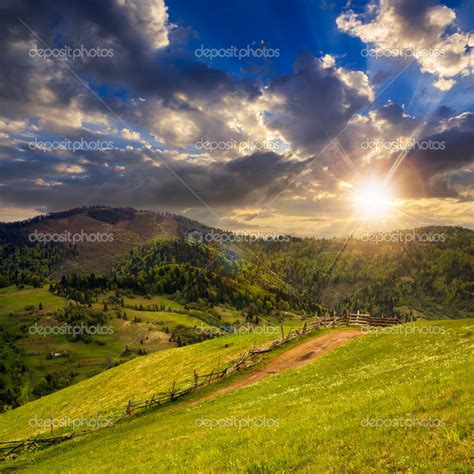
158	279
150	253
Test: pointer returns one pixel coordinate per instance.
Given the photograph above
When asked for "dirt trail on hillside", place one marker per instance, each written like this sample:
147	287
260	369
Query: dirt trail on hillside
297	356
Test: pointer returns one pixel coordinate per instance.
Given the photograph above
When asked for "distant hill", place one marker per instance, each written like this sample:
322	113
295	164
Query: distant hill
128	228
425	271
155	277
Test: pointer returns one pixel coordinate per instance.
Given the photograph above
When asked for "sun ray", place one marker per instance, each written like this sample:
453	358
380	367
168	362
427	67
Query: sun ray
373	200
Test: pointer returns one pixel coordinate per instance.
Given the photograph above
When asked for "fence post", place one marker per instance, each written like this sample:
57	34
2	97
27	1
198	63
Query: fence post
51	425
196	376
282	333
172	391
128	411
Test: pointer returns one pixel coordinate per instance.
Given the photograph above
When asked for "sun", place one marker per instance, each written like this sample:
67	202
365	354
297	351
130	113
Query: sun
373	200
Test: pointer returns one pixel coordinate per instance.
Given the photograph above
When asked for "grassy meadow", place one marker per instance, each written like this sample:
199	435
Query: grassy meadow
142	325
107	393
384	402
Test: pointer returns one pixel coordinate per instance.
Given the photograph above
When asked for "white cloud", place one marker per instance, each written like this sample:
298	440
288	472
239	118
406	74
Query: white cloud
397	29
356	80
130	135
151	18
69	169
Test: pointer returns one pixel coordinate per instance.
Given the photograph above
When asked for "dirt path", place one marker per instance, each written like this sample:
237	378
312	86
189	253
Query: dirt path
297	356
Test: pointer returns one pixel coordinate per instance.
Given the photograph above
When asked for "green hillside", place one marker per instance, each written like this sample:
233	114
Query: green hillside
107	393
153	284
37	359
151	254
393	402
12	301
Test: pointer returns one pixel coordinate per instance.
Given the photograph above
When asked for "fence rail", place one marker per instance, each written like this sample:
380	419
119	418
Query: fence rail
248	359
10	448
368	320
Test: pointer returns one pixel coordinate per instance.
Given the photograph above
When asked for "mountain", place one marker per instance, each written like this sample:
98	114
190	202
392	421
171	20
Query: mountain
157	281
119	229
158	253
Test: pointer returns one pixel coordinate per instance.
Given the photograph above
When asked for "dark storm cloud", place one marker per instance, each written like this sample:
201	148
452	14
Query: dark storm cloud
317	104
413	14
458	150
444	111
438	168
31	168
148	182
135	64
392	112
441	171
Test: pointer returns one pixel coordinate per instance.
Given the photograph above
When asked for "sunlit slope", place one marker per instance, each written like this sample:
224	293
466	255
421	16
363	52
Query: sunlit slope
13	300
138	379
320	410
25	312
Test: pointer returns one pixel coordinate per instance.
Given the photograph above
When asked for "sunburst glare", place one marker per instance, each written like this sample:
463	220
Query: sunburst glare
373	200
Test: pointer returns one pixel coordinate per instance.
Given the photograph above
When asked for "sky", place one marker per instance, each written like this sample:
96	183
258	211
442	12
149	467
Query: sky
311	117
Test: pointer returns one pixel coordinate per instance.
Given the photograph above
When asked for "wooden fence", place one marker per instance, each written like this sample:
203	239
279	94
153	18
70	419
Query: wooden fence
12	448
248	359
368	320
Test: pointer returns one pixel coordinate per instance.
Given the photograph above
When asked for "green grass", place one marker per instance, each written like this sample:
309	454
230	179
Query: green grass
158	300
145	330
13	300
108	392
229	315
84	359
169	319
319	410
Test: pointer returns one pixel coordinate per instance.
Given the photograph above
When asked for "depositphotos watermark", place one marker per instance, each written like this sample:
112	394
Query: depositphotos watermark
66	422
239	423
402	237
400	52
66	329
67	52
408	422
197	236
238	53
403	144
405	330
70	145
69	237
238	145
238	330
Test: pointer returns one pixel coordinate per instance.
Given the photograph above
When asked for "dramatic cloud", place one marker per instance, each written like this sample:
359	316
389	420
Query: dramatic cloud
182	134
421	29
443	171
150	17
316	101
140	179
